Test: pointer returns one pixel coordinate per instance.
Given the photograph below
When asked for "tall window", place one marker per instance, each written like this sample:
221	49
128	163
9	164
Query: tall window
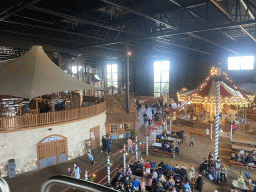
114	129
127	127
161	78
241	63
112	77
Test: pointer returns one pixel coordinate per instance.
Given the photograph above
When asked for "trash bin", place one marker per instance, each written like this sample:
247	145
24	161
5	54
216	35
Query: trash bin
11	168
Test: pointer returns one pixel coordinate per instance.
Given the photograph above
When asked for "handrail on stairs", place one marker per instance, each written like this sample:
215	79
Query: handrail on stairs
74	183
4	187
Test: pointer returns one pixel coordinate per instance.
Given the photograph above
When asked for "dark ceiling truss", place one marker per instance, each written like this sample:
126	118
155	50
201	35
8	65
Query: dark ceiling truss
108	25
228	15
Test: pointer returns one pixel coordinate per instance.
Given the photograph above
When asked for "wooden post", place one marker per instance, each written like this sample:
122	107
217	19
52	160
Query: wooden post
53	106
59	61
36	105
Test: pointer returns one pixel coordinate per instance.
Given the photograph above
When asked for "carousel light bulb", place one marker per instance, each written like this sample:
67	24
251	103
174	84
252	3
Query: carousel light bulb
94	175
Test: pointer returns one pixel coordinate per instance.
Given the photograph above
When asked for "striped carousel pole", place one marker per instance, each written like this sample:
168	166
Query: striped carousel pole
147	145
231	130
211	130
124	160
217	120
108	162
136	148
154	135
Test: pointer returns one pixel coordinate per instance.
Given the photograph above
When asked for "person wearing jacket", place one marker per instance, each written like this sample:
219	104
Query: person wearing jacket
164	147
104	144
217	166
199	183
109	144
76	171
91	159
223	174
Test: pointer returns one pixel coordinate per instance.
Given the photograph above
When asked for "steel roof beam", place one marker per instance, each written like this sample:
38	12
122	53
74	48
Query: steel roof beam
231	18
78	19
17	10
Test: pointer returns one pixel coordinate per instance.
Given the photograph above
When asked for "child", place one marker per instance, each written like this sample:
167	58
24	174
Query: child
69	172
143	185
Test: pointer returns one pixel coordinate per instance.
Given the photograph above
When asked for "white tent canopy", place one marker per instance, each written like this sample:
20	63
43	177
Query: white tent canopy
34	74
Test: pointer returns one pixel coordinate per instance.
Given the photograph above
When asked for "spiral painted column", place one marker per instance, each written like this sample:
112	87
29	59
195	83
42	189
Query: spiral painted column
147	145
136	148
108	162
217	121
86	176
231	131
124	160
211	130
154	135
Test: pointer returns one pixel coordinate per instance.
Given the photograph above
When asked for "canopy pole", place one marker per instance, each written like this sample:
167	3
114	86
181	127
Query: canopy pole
127	78
217	117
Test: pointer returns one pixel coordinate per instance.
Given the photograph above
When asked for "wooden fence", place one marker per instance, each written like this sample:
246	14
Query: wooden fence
33	120
226	128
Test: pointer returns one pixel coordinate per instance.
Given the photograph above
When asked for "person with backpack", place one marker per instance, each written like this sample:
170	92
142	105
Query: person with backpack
217	166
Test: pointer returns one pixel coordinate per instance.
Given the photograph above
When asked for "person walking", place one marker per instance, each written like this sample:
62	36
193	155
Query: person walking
91	159
149	121
191	140
199	183
76	171
104	144
109	145
146	106
217	166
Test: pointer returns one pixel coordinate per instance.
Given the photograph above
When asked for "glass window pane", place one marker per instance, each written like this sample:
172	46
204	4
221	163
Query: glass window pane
165	88
157	77
165	76
109	84
109	77
114	76
114	68
115	84
109	68
157	87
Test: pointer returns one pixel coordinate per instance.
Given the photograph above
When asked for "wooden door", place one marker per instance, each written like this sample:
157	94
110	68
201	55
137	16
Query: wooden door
52	150
95	137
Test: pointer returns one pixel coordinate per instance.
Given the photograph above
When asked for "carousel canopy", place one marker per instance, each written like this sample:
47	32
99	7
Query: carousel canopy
34	74
206	91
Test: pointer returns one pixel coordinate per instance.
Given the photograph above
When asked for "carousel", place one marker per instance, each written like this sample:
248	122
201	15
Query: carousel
200	103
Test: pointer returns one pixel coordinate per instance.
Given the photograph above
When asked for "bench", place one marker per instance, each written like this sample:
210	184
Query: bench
240	164
244	142
161	152
237	147
199	133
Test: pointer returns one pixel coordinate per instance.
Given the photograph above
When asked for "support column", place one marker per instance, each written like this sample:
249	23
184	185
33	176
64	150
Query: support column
124	160
217	121
231	131
136	148
147	145
108	162
127	79
154	135
211	130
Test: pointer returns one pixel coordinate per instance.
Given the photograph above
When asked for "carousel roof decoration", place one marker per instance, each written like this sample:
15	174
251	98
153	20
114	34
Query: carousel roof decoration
206	91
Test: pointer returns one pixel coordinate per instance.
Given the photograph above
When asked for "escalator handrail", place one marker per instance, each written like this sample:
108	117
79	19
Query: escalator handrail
74	183
4	187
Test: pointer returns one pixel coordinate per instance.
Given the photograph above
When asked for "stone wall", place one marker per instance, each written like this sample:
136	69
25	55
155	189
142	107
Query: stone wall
21	145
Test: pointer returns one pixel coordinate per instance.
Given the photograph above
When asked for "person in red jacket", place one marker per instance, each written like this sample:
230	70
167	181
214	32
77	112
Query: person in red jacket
147	166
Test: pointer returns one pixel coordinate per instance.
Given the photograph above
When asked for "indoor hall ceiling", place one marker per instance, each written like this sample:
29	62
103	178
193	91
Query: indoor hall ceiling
178	27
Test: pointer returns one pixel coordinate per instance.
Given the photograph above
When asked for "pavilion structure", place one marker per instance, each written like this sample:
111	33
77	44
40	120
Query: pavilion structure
204	96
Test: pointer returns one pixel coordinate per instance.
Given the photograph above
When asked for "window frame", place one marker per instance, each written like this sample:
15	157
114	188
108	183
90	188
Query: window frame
111	73
115	128
129	127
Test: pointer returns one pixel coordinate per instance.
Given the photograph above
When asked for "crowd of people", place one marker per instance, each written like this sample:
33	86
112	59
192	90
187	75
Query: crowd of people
155	177
247	158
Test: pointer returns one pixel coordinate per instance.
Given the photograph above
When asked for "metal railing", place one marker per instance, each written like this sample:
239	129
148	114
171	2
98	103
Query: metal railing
74	183
4	187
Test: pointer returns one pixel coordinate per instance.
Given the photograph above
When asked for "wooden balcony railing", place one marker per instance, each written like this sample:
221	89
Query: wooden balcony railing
33	120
